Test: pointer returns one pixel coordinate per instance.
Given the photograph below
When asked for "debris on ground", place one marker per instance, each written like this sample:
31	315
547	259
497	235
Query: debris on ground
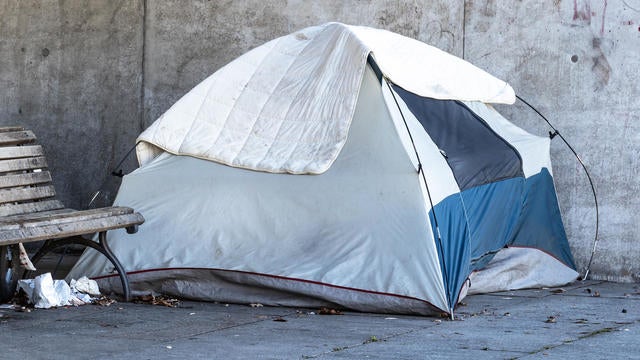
104	301
280	319
328	311
85	285
551	319
44	292
157	300
594	293
558	291
255	305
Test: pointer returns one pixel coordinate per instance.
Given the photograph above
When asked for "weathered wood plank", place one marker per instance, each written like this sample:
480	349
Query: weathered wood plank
16	152
27	193
36	214
23	164
16	137
32	220
41	177
11	128
13	209
28	234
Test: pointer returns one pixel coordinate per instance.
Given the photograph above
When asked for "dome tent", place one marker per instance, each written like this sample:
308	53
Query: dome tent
341	166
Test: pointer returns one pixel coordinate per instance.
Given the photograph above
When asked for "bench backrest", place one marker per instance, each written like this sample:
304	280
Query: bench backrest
25	182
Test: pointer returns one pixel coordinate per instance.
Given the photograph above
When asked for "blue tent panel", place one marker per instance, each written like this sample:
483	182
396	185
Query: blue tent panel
474	225
541	224
453	246
493	212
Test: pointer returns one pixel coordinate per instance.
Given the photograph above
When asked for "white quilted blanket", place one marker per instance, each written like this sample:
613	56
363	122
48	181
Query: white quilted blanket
286	106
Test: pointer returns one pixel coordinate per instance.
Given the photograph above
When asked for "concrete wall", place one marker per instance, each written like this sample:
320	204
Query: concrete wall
578	62
71	71
90	75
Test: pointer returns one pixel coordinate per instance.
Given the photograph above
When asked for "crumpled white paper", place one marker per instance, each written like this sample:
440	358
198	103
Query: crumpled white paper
86	286
44	292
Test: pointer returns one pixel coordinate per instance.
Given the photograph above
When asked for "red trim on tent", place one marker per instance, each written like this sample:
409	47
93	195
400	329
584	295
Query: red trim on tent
281	278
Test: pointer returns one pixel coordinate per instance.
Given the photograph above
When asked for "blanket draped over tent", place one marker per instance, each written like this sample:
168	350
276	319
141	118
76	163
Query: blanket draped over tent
286	106
343	166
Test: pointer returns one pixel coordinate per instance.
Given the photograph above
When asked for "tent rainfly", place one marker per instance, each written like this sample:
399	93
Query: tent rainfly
341	166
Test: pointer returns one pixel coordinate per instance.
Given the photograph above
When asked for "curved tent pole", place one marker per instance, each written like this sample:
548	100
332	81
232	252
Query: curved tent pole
584	167
421	172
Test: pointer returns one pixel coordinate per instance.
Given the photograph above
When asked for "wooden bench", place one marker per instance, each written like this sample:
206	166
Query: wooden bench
29	212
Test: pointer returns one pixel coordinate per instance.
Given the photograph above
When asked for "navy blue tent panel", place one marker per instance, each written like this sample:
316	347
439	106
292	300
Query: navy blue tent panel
453	246
541	225
475	153
493	211
474	225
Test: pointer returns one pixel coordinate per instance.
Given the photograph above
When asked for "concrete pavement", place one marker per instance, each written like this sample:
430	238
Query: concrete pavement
572	323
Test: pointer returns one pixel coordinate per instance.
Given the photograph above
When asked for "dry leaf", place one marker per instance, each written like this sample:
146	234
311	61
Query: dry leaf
104	301
157	300
327	311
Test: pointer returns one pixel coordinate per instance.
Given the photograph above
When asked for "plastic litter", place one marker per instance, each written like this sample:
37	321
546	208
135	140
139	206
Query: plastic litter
86	286
44	292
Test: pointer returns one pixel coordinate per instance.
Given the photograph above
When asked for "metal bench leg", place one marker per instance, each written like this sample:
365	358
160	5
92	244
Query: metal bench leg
101	246
9	271
114	260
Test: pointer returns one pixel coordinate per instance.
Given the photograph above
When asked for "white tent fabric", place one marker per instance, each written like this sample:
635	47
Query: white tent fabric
248	223
286	106
520	268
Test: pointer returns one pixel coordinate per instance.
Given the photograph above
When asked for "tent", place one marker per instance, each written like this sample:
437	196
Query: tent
341	166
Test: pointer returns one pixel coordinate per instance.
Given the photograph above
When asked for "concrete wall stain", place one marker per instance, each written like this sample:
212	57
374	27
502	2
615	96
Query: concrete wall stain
601	67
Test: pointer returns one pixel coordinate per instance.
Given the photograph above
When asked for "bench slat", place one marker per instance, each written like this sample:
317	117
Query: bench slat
11	128
23	164
16	137
13	209
27	193
58	231
40	214
41	177
34	220
15	152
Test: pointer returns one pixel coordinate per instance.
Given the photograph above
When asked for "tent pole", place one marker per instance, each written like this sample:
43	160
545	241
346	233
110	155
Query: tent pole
584	167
